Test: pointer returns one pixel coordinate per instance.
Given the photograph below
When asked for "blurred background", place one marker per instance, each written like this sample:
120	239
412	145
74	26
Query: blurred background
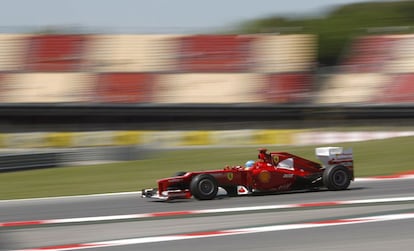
134	75
92	82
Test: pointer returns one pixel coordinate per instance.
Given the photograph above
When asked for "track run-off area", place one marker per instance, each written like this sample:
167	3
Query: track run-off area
373	214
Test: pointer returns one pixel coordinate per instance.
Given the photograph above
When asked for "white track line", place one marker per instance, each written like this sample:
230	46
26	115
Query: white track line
200	212
72	197
390	177
220	233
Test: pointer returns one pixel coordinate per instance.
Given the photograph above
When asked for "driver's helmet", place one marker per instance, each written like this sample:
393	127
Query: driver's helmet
249	164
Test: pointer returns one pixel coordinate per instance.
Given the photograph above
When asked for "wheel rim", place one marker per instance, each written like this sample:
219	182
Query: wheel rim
206	187
340	177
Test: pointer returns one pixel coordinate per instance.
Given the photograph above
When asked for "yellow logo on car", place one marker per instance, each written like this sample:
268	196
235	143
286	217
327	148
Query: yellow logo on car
264	176
275	159
230	176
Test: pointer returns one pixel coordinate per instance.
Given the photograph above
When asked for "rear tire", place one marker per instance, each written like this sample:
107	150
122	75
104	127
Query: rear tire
204	187
336	178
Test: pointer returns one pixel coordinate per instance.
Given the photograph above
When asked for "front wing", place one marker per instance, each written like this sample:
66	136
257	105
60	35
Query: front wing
154	194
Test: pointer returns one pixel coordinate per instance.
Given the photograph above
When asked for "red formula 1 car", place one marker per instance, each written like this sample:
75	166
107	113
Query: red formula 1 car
272	172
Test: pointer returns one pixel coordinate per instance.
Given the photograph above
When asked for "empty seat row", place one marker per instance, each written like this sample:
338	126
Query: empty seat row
127	87
156	53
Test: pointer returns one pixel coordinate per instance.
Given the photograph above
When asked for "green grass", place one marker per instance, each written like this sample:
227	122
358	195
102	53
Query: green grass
377	157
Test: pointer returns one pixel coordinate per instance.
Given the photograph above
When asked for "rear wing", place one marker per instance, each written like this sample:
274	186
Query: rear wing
335	155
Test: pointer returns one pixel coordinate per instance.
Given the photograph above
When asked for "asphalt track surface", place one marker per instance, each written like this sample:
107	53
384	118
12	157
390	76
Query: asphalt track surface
378	235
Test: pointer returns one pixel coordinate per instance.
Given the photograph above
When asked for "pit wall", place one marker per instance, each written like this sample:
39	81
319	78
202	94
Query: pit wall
177	139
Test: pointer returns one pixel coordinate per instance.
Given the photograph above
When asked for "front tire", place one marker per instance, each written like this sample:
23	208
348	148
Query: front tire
336	178
204	187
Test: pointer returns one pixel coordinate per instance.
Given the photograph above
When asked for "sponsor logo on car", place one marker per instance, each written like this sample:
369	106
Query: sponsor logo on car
264	176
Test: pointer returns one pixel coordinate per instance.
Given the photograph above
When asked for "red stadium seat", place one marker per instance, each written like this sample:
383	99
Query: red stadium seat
289	88
124	87
215	53
55	53
400	90
368	54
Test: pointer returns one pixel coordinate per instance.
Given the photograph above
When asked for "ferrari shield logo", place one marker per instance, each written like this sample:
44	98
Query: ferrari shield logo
230	176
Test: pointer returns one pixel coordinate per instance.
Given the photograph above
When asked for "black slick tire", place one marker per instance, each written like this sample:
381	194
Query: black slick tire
204	187
336	178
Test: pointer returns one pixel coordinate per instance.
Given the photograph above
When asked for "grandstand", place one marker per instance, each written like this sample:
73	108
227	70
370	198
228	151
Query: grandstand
376	69
123	87
12	50
132	53
112	92
401	90
188	69
46	87
131	68
352	88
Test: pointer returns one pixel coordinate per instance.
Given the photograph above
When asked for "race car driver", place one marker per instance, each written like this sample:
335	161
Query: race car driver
249	164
